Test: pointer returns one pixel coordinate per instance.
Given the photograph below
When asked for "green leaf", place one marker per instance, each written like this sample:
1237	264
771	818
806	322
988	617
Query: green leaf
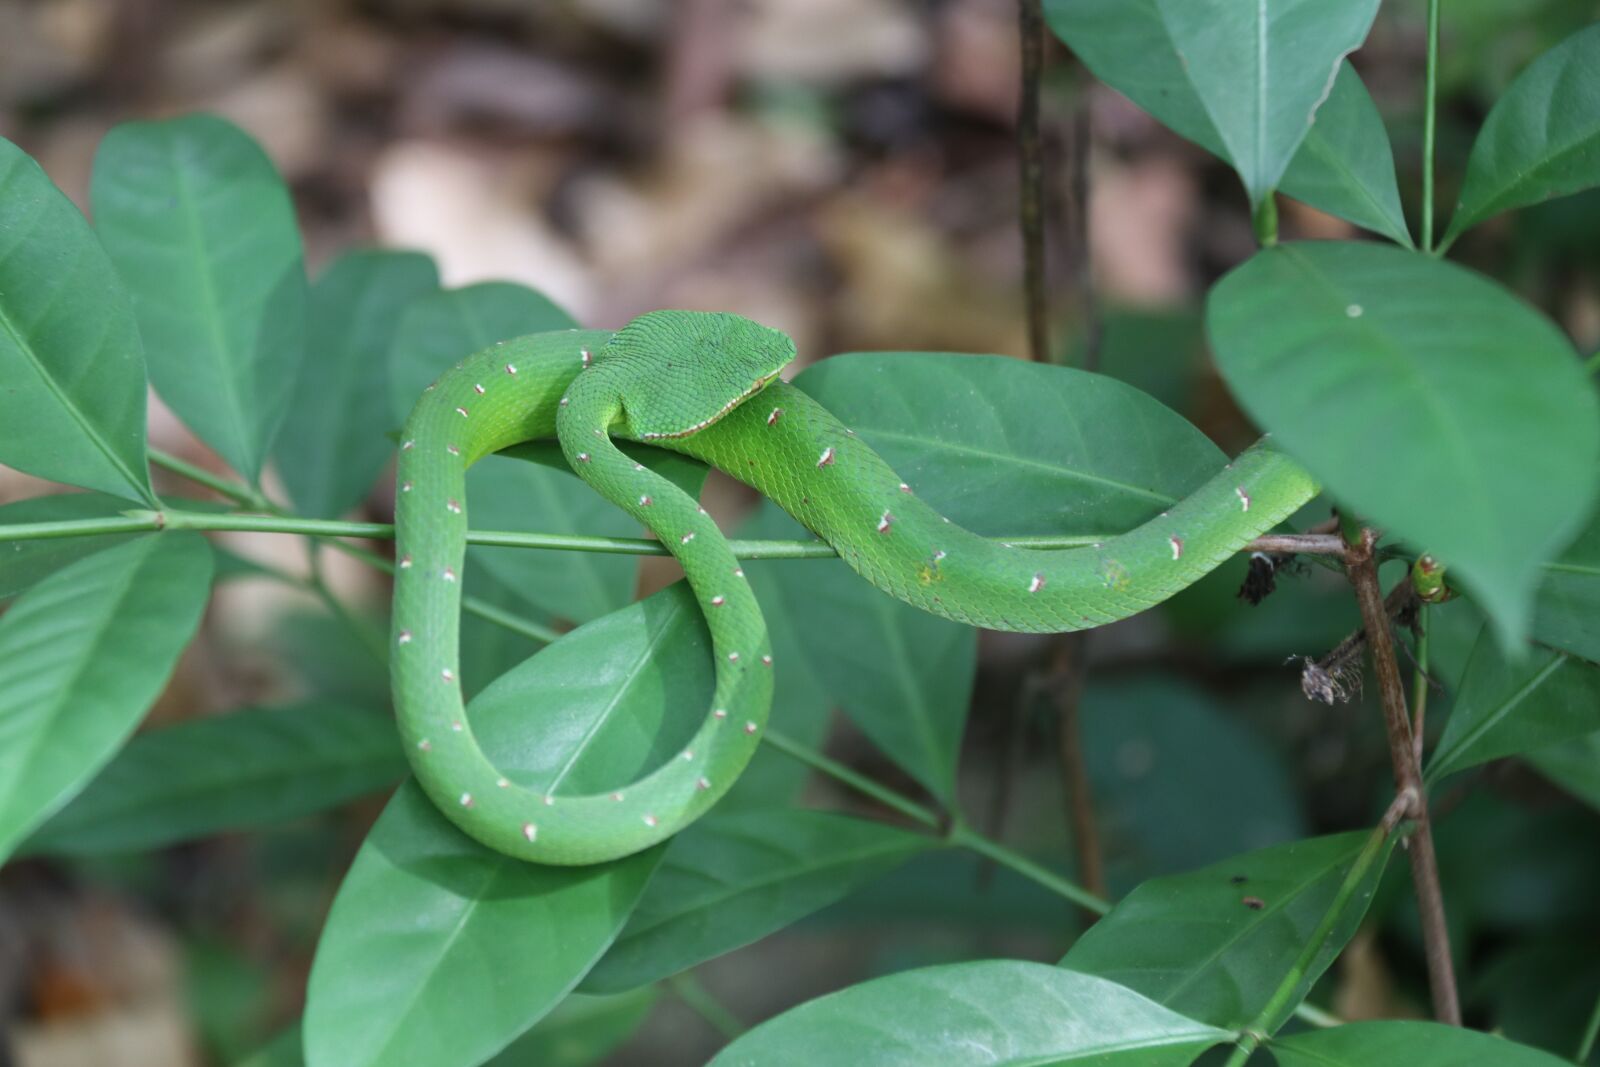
1573	765
1566	609
439	951
1243	82
23	563
1542	138
1404	1044
581	1031
228	772
83	654
1008	447
1199	944
437	330
72	409
1508	705
332	446
733	879
1423	396
199	225
508	494
989	1012
1346	165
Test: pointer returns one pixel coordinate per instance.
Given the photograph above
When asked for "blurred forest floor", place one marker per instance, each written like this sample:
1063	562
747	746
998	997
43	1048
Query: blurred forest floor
844	170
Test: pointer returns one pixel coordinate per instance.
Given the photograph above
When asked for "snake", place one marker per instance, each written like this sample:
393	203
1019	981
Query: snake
707	385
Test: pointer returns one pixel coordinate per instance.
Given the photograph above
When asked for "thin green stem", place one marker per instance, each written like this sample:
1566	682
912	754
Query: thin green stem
859	782
1429	121
700	1000
1590	1032
1266	220
965	837
238	492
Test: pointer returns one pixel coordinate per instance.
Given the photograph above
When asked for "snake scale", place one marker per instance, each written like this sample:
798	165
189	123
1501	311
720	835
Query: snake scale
705	385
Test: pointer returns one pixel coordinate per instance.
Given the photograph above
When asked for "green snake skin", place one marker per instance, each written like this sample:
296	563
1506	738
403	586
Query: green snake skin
702	385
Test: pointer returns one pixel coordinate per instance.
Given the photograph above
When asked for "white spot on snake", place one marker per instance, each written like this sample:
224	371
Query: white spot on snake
448	575
703	511
1037	583
1244	498
583	457
503	783
453	450
766	661
586	357
826	459
717	601
405	562
405	487
404	638
686	538
599	432
883	523
564	401
651	821
477	388
645	501
1177	547
849	433
772	419
448	675
462	412
720	713
750	727
638	466
704	783
904	488
617	797
425	745
457	727
510	369
549	800
452	506
738	572
939	555
1354	311
688	754
530	831
466	800
733	657
407	446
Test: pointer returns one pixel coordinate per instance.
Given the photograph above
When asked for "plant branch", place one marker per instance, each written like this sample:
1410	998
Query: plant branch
1081	267
859	782
1067	689
1408	778
964	836
235	491
1419	683
1251	1036
1030	162
1429	120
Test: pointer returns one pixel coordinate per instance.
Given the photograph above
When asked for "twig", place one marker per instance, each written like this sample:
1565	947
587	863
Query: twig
1082	269
1337	675
1068	678
1408	778
1419	682
1030	156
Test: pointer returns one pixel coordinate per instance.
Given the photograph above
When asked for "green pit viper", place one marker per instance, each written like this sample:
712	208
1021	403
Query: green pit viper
705	385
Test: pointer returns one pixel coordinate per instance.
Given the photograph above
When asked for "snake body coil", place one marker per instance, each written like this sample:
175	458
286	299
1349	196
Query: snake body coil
702	384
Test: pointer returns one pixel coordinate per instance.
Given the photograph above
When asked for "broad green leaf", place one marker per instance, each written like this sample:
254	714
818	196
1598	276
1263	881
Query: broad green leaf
1153	744
1573	765
1134	46
1008	447
200	226
733	879
83	654
1566	609
72	409
581	1031
1261	71
1404	1044
1542	138
1422	395
1213	944
438	951
1346	165
333	446
1509	705
989	1012
439	329
508	494
24	562
228	772
1538	989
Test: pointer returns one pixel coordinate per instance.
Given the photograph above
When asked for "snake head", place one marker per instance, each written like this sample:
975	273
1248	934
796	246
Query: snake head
681	371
